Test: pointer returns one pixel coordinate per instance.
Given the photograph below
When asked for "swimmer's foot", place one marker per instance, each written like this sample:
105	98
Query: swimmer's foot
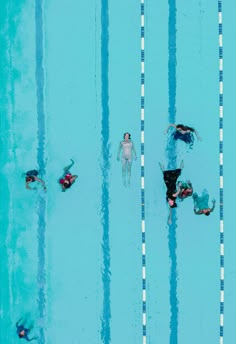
124	183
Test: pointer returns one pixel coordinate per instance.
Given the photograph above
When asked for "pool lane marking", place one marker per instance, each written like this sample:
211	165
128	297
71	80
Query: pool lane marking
144	298
221	177
105	169
41	210
171	160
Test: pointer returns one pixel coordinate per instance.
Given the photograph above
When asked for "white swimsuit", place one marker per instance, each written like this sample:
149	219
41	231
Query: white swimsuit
127	150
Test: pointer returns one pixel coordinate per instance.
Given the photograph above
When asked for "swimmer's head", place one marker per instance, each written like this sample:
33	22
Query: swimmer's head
22	334
184	127
29	179
188	192
127	135
66	184
207	213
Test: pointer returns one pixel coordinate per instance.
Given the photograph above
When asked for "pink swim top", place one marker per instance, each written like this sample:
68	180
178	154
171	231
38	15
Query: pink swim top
66	177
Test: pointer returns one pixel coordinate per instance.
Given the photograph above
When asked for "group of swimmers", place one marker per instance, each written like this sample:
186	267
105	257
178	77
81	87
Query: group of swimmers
181	190
66	181
175	189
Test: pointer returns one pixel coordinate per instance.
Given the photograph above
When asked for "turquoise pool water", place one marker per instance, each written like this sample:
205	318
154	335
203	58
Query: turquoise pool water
71	262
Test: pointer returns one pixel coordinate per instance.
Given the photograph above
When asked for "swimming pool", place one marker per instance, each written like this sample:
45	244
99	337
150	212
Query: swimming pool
70	87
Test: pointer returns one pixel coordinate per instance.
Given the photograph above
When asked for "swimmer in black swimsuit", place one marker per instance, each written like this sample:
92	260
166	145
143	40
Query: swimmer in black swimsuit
31	177
23	332
184	133
170	178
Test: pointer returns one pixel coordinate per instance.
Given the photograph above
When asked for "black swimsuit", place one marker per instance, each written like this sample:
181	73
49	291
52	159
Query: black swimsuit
170	178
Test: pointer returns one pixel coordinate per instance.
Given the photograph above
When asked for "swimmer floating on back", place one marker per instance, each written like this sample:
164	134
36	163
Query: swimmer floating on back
128	151
68	179
22	331
170	177
201	204
184	133
31	177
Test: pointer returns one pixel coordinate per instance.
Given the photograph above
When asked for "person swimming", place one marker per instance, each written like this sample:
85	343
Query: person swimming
23	332
128	151
184	133
31	177
170	178
68	179
201	204
186	189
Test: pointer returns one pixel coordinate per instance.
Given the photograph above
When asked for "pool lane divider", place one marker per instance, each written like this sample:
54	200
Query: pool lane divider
41	209
105	170
221	207
144	318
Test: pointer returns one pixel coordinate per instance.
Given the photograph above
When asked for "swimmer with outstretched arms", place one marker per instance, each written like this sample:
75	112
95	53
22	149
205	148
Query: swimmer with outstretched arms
68	179
23	331
183	133
31	177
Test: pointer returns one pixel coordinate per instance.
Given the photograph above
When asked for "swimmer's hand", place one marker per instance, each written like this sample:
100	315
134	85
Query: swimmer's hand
135	158
45	189
118	158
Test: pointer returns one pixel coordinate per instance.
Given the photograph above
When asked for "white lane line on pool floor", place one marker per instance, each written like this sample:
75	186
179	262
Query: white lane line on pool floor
221	179
144	318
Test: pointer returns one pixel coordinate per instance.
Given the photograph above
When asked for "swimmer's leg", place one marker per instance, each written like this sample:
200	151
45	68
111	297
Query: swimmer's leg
205	195
182	164
162	167
67	168
129	171
124	163
195	199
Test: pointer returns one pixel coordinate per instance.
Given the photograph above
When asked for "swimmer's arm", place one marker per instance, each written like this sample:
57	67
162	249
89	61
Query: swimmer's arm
170	125
177	193
40	181
73	178
197	212
18	321
27	186
196	133
119	149
29	340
